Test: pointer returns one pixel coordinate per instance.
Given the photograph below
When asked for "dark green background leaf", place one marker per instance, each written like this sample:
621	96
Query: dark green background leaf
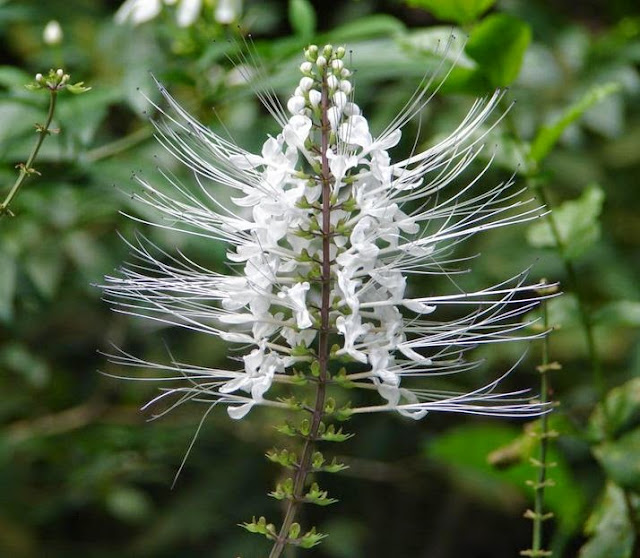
621	459
498	45
611	532
302	17
577	222
459	11
547	136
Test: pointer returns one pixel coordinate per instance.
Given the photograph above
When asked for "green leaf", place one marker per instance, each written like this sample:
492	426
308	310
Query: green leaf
498	44
611	532
464	451
431	41
620	410
460	11
18	120
621	459
377	25
8	272
302	18
576	222
619	313
12	77
548	136
78	88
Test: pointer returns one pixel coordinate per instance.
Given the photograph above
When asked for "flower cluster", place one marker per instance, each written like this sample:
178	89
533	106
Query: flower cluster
324	230
55	81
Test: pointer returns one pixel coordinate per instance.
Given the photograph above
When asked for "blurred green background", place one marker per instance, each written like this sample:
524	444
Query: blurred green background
82	471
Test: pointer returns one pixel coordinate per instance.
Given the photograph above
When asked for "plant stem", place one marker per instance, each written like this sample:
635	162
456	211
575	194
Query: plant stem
304	465
585	315
535	183
599	381
119	145
26	170
538	506
596	366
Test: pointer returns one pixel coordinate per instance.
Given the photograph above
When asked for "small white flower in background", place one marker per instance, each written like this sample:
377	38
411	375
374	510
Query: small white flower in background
324	230
137	12
52	33
227	11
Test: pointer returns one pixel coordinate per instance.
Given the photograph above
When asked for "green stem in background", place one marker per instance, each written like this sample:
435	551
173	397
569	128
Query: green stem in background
26	169
535	183
538	516
596	365
119	145
585	315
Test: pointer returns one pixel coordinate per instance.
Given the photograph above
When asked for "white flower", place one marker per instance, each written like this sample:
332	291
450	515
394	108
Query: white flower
52	33
227	11
327	231
188	12
137	12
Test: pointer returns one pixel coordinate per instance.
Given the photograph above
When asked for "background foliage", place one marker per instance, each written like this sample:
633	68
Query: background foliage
81	471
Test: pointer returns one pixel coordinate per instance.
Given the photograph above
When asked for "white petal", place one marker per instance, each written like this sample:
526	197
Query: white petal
234	385
418	307
236	337
410	397
296	104
356	131
413	355
297	131
237	318
241	411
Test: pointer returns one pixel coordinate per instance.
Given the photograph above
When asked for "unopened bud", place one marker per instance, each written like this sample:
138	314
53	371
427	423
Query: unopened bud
52	33
345	86
306	83
315	97
311	54
296	104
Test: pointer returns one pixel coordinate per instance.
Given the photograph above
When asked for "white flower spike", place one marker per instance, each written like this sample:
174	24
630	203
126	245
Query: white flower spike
325	230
